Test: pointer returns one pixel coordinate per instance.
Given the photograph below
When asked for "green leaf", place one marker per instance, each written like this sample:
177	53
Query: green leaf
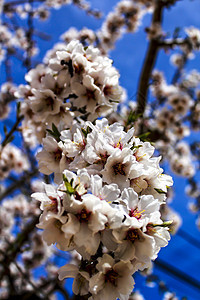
69	188
135	147
159	191
164	224
132	117
68	185
54	132
55	129
144	136
86	131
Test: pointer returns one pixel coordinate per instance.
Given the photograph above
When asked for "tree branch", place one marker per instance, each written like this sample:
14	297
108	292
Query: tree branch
189	238
17	2
14	248
177	273
170	43
18	183
149	62
9	134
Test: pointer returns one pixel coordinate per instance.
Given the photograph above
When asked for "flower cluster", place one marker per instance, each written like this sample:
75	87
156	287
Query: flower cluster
194	37
126	17
77	82
15	212
6	96
106	205
12	159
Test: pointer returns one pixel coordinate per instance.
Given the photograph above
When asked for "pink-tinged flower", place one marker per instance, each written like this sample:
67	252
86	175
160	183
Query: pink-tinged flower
44	103
52	158
140	210
113	280
134	244
50	199
119	166
88	94
51	224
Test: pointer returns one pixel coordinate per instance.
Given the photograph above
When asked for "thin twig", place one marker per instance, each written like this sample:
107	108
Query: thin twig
170	43
13	129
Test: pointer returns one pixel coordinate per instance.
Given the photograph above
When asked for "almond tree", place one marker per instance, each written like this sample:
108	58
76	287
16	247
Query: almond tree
77	155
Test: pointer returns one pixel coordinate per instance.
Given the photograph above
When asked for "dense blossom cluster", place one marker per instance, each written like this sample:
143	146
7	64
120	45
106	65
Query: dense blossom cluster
15	39
15	212
105	206
179	104
12	159
169	120
125	17
77	82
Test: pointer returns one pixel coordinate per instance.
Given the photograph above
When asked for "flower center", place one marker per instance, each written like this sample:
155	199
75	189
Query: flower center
90	94
79	68
102	158
132	235
58	224
136	213
119	145
84	216
107	90
49	102
53	206
119	168
57	89
111	276
57	154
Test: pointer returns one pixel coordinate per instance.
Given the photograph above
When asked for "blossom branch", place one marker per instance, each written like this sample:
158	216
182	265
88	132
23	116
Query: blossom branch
17	2
179	70
170	43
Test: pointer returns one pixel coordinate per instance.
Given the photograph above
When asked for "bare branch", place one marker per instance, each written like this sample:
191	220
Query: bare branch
177	273
149	62
10	133
18	183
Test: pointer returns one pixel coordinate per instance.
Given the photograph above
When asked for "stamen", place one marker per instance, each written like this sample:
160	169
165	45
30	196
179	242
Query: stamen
119	168
136	213
84	216
132	235
57	154
111	276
